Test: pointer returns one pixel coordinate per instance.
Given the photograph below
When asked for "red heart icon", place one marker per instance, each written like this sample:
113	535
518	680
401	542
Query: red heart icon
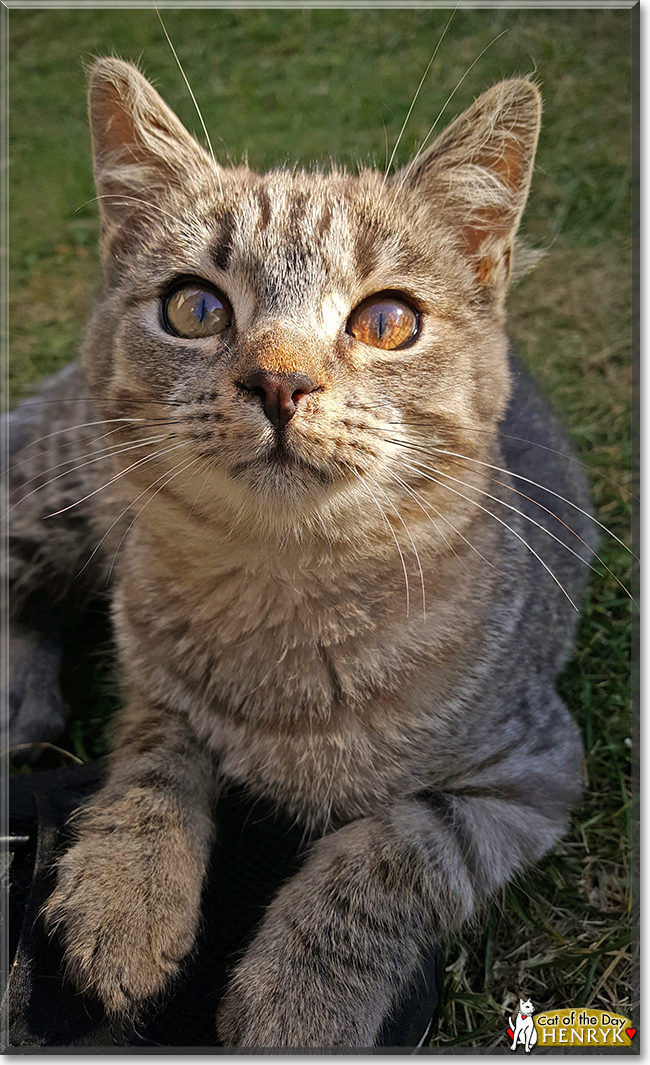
511	1033
631	1032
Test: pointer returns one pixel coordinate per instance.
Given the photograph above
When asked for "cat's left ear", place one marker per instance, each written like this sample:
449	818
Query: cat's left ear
141	150
477	173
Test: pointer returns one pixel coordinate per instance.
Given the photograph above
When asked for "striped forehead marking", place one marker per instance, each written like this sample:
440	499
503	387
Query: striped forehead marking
287	244
223	244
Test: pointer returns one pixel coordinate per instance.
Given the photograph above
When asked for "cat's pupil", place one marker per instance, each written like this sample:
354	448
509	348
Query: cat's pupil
194	310
384	321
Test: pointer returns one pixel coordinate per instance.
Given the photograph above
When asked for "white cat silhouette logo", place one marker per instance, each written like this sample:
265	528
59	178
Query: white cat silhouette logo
523	1029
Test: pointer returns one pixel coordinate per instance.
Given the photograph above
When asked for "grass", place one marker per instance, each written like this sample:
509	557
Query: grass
299	85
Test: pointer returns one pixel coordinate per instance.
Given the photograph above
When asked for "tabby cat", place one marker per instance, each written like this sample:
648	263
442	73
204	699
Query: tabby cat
312	470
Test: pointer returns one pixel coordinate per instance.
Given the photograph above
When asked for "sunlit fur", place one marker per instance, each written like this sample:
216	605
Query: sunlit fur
360	616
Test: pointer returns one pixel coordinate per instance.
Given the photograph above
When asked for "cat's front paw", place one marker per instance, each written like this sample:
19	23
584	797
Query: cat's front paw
125	918
275	1001
263	1013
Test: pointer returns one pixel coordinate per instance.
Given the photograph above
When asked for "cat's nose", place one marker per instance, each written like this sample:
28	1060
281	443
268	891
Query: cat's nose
280	393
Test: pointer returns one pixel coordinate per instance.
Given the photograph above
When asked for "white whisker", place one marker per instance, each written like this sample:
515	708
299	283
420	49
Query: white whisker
548	511
148	489
503	523
422	503
120	516
392	531
417	93
509	506
70	429
531	443
442	110
189	89
102	453
207	465
109	453
542	488
123	473
91	440
541	506
408	533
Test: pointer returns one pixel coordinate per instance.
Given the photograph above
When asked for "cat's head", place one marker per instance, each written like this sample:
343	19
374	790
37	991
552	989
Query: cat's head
303	339
526	1006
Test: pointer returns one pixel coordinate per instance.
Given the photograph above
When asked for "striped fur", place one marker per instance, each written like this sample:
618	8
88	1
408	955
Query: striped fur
310	610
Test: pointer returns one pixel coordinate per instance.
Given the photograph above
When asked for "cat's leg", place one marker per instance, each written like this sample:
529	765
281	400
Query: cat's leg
340	943
127	902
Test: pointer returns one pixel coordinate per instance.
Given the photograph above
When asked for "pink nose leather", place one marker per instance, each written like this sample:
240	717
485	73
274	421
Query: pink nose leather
279	393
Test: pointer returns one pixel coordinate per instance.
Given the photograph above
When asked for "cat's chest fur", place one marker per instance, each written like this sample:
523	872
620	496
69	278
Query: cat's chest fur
303	678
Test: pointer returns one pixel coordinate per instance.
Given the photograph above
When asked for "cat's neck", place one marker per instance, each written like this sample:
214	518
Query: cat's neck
384	570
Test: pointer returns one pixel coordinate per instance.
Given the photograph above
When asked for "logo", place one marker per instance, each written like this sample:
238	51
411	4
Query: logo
523	1029
568	1027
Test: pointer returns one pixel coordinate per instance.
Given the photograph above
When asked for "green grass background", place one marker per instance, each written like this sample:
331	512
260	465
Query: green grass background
301	85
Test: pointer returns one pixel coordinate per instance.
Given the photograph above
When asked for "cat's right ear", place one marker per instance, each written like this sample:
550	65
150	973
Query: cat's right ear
476	175
141	151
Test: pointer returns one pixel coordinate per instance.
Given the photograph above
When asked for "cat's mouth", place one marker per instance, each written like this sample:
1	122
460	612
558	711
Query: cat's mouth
278	460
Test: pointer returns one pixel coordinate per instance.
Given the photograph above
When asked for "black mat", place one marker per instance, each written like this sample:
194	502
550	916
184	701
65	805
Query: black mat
258	850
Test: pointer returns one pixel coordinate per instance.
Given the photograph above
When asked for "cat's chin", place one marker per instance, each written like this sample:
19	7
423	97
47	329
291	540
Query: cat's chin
280	473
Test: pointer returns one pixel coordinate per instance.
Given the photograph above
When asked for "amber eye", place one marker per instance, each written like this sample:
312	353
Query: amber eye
196	310
383	321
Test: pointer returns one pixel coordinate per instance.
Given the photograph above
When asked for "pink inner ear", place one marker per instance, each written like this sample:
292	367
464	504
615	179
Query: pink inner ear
491	221
508	162
486	266
132	125
496	221
113	124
